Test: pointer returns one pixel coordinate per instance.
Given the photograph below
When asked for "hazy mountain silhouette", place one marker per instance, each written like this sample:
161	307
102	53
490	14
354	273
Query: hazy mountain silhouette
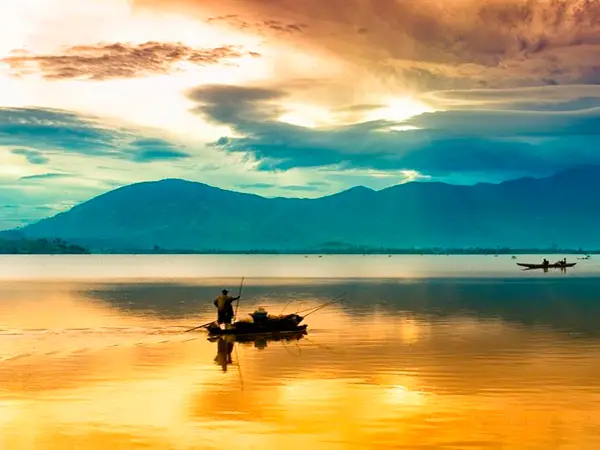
562	210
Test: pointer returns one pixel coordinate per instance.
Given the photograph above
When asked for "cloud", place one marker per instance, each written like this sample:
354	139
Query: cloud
508	124
33	156
318	183
48	130
302	188
314	186
435	44
34	202
159	155
260	26
465	142
46	176
118	60
540	98
309	186
256	185
152	149
226	104
51	129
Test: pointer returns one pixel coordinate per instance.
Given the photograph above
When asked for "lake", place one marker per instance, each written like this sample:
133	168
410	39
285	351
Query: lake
424	352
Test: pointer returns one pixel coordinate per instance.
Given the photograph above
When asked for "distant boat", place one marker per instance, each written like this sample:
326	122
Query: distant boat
544	266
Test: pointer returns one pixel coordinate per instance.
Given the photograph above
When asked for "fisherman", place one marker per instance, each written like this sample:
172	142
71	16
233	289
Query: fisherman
224	308
546	262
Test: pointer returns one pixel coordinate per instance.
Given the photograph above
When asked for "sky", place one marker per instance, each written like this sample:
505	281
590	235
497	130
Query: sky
297	98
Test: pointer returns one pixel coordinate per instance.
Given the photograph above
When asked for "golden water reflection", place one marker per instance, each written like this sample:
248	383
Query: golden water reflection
360	378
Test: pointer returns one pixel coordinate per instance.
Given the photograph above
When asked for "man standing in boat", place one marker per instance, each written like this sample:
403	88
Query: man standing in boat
224	304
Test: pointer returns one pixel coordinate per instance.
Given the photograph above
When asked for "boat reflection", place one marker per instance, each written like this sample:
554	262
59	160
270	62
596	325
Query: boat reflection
562	269
226	344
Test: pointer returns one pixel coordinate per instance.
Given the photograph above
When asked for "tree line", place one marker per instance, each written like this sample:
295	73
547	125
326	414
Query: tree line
39	247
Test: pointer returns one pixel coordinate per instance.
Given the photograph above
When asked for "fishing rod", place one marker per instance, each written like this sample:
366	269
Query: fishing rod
238	300
320	307
338	299
286	305
201	326
335	300
316	344
239	367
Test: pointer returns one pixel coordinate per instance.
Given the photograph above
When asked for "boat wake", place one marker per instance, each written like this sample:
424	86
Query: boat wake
19	343
93	330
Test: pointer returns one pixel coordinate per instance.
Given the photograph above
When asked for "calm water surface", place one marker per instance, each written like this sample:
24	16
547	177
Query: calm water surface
138	267
454	353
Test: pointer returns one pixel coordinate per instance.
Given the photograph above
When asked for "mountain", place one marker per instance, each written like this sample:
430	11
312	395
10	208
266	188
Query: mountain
562	210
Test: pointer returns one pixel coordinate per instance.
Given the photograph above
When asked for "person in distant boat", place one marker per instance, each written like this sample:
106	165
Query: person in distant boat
546	262
224	307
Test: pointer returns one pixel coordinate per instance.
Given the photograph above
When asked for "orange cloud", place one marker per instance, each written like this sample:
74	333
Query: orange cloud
118	60
433	44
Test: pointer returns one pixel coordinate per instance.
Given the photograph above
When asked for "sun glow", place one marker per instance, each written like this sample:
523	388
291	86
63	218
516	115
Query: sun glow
401	395
399	109
154	100
307	116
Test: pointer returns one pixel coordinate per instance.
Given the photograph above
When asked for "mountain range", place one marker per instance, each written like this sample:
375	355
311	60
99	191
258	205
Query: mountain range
561	210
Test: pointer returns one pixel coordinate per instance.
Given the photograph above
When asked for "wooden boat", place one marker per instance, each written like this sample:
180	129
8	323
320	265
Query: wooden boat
548	266
263	325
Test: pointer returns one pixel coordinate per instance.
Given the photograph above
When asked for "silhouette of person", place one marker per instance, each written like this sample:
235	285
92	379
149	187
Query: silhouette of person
224	349
224	308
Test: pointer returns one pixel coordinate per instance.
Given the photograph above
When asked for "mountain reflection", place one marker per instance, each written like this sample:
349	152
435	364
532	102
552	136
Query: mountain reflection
568	304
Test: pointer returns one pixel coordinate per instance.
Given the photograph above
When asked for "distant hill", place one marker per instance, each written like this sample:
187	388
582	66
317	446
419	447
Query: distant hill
561	210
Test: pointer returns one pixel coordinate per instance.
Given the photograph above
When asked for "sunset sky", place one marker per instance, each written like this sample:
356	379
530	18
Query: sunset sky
289	97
